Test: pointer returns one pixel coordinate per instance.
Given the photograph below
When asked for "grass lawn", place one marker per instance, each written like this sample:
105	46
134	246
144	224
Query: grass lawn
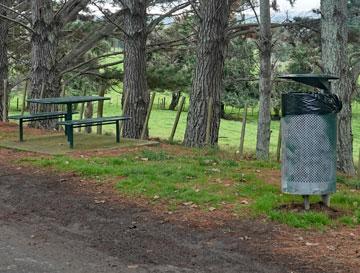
208	180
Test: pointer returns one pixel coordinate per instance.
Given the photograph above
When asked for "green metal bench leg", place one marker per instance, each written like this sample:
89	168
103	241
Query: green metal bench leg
117	132
71	136
21	130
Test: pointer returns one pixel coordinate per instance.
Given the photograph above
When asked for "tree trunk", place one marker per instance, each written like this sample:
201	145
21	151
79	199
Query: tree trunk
208	77
334	37
4	28
135	85
43	58
263	130
174	100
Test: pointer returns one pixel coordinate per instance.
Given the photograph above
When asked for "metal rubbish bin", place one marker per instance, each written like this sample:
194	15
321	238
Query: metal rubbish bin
308	129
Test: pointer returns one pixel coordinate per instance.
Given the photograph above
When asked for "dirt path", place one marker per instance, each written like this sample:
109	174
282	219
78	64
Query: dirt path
51	224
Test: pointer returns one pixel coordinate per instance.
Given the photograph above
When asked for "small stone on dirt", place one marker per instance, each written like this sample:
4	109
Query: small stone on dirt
331	248
244	202
311	244
134	266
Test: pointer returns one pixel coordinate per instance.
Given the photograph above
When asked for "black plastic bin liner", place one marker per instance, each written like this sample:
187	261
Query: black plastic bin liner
299	103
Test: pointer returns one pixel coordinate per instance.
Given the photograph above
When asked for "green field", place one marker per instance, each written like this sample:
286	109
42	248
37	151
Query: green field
161	122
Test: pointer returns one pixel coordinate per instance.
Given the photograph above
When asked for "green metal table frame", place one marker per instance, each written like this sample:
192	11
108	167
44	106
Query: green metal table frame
68	101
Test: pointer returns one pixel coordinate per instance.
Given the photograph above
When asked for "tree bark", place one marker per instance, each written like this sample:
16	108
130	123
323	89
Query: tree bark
43	57
208	77
334	38
4	69
174	100
135	85
263	130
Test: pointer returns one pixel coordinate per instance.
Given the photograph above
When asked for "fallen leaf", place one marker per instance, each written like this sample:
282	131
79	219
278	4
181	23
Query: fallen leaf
156	197
133	266
244	202
212	209
99	201
331	248
144	159
311	244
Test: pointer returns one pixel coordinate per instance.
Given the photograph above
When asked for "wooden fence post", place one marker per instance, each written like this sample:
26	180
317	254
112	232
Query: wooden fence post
89	111
5	101
82	109
123	111
42	90
171	138
125	103
148	116
242	136
63	94
24	98
358	169
208	121
278	148
100	110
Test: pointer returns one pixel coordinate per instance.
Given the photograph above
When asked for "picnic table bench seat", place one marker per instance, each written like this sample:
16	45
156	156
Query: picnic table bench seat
71	124
36	117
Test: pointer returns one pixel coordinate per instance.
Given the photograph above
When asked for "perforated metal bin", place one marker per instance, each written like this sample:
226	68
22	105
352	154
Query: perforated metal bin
308	127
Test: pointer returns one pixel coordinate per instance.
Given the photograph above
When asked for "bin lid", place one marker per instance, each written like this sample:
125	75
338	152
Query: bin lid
315	80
